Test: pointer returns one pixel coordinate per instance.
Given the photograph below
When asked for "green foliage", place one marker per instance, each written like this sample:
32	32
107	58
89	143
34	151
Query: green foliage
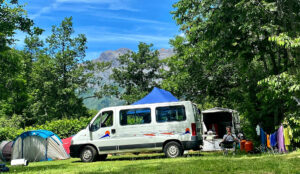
63	128
44	81
138	73
278	93
63	75
60	74
293	120
13	93
13	17
285	41
230	47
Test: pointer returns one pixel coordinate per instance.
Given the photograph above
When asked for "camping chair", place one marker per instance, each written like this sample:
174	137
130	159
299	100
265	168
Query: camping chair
228	146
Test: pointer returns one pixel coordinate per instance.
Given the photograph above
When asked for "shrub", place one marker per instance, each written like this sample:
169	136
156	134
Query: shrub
63	128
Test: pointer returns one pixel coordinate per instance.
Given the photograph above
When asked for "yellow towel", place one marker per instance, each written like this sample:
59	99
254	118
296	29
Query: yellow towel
287	136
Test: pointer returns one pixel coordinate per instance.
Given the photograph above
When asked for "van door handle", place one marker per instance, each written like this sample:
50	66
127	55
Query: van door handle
113	131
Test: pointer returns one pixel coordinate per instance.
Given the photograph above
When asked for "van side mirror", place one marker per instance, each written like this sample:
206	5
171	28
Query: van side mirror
90	127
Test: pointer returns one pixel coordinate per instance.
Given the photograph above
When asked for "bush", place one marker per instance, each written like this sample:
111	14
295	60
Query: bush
63	128
66	127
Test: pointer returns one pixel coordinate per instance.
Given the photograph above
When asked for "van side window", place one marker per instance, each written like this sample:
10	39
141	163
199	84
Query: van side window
170	113
135	116
106	120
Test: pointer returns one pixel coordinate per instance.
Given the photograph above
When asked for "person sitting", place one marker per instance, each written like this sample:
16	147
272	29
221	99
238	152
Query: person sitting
229	139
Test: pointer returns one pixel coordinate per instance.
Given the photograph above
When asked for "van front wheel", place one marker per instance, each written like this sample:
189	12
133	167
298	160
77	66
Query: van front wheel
173	149
88	154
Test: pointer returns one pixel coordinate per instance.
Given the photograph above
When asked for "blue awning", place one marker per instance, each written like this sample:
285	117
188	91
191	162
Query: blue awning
157	96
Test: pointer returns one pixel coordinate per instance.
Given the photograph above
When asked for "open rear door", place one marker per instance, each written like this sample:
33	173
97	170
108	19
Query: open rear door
198	120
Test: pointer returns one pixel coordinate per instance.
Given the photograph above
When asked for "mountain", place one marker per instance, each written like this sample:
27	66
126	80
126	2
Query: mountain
165	53
111	56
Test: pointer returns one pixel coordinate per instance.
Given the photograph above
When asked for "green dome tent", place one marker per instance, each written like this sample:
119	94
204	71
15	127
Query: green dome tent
39	145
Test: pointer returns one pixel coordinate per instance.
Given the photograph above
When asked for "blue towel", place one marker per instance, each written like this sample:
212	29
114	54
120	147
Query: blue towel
263	137
273	139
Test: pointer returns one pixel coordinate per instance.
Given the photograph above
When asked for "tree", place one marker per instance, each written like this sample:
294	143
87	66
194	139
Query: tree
43	81
60	74
281	93
229	47
138	73
13	95
13	17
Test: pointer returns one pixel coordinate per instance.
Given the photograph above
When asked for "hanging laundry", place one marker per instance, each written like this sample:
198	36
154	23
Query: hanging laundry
263	137
268	141
273	139
280	140
258	130
287	136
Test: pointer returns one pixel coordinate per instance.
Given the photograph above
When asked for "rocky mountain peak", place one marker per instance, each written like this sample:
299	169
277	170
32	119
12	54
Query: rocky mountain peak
112	55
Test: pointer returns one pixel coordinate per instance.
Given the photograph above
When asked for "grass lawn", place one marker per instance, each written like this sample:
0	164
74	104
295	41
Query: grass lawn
156	163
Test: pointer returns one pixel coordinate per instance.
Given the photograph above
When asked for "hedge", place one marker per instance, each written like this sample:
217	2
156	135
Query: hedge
63	128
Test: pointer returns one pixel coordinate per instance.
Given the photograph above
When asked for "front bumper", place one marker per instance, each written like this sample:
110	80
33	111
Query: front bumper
75	150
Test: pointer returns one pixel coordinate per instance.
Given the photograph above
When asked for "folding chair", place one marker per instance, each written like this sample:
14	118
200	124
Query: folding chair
228	146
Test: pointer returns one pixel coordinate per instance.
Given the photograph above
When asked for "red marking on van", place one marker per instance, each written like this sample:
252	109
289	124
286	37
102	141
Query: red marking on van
168	133
149	134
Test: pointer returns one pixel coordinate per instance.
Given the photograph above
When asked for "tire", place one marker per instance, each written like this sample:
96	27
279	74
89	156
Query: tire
173	149
102	157
88	154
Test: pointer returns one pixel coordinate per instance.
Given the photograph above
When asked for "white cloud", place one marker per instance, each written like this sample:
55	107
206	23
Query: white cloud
135	19
45	10
158	41
108	5
102	35
127	37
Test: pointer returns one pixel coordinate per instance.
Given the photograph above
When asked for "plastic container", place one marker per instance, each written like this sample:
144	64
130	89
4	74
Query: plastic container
242	145
248	146
19	162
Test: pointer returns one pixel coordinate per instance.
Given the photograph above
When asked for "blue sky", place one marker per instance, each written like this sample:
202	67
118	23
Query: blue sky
108	24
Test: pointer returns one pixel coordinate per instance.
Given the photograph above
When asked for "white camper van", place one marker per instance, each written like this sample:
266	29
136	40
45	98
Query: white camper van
170	127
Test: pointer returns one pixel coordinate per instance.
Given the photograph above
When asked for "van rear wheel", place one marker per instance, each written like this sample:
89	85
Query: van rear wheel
173	149
88	154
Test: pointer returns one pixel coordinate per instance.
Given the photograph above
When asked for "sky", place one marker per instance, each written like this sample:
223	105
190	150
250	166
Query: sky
107	24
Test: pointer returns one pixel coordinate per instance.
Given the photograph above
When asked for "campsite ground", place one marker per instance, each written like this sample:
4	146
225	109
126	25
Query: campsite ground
156	163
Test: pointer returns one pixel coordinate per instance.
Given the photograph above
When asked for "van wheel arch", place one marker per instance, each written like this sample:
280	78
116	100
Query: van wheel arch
82	146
